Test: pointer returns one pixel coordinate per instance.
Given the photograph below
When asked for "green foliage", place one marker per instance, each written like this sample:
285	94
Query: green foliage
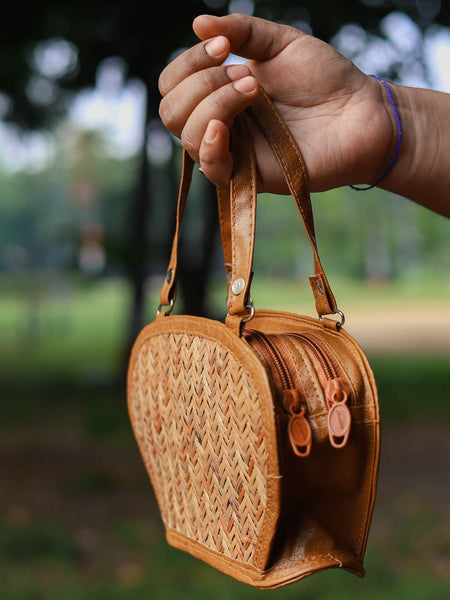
407	383
42	541
105	539
379	237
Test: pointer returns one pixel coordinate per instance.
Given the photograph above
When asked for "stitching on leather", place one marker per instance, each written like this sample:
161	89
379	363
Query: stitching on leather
272	490
249	569
292	318
281	157
313	376
222	221
233	236
344	369
253	212
244	568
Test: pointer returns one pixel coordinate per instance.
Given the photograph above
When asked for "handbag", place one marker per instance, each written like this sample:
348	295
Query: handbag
260	434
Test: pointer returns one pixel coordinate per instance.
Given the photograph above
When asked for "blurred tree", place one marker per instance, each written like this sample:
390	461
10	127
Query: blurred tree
57	49
52	49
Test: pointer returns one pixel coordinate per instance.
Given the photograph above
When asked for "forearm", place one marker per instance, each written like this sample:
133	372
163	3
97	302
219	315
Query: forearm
422	171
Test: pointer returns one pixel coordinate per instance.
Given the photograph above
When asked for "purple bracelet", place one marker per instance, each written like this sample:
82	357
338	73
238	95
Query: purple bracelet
397	152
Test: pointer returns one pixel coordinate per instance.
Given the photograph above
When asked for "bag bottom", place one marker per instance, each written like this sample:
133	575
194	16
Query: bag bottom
273	577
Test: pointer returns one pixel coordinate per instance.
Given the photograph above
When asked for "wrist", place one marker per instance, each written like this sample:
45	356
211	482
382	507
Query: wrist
376	141
394	132
421	173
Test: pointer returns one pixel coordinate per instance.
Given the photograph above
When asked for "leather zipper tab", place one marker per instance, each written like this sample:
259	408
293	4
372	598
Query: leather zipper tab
339	417
299	430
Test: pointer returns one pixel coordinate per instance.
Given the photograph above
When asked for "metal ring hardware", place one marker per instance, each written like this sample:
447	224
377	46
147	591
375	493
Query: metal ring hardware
251	308
340	323
252	312
166	312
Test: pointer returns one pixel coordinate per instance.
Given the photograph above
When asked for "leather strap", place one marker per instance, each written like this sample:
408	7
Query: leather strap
294	170
237	212
169	288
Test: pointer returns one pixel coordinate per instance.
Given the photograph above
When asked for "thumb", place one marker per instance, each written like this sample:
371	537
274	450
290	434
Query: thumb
250	37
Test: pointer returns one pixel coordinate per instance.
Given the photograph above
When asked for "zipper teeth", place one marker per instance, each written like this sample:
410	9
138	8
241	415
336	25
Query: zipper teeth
323	358
277	357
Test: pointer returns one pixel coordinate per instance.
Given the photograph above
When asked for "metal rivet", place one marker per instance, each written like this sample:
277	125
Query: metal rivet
319	287
169	275
238	285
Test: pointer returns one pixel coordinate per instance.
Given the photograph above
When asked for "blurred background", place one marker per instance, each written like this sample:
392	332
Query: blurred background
88	185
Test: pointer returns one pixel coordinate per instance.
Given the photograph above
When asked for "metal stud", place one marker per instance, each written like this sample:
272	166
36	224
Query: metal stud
238	285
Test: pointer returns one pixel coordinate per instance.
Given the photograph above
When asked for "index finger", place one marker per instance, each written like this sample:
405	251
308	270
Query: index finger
207	54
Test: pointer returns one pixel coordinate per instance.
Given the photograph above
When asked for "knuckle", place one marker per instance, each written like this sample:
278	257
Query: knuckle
189	143
191	58
167	114
218	174
162	83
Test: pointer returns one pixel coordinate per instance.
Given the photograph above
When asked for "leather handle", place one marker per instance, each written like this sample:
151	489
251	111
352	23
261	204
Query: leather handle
294	170
237	212
169	288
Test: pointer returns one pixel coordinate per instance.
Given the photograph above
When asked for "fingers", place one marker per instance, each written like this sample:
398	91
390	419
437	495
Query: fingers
202	56
215	157
223	104
201	97
176	107
249	37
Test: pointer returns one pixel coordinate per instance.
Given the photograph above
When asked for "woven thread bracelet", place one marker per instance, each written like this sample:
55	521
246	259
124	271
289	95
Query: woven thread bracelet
397	152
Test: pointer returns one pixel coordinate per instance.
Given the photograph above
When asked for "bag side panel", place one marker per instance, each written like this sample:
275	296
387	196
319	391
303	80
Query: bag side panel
202	413
328	496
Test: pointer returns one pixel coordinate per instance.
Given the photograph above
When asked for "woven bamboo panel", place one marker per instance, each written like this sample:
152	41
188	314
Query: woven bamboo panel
198	425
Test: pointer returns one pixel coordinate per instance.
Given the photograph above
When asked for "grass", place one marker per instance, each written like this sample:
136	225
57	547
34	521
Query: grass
73	340
78	519
165	574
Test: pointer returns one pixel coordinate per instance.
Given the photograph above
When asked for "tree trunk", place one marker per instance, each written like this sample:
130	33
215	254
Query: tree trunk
138	242
194	276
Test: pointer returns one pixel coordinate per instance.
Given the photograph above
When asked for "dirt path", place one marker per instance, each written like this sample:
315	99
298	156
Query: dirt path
411	329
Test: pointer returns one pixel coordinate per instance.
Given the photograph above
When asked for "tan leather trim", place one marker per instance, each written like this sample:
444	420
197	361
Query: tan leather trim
220	334
242	200
168	291
361	375
270	578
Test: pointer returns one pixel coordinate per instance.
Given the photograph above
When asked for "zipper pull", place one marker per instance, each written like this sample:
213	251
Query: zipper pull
299	429
339	416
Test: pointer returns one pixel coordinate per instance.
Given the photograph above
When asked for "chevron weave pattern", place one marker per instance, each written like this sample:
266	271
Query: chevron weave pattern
203	446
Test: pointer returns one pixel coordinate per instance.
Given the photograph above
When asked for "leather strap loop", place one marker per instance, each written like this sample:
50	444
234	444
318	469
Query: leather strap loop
241	201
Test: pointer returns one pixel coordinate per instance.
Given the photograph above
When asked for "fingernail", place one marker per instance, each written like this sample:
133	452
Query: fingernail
210	133
216	47
236	72
246	85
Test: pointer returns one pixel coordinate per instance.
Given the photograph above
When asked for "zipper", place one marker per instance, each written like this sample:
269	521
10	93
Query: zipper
323	358
339	417
299	430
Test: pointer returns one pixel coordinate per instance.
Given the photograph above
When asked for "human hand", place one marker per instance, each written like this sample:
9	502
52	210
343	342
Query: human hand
337	114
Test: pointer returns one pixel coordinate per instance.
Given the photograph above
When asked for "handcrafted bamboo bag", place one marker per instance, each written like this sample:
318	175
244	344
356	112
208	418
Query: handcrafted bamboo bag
260	434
